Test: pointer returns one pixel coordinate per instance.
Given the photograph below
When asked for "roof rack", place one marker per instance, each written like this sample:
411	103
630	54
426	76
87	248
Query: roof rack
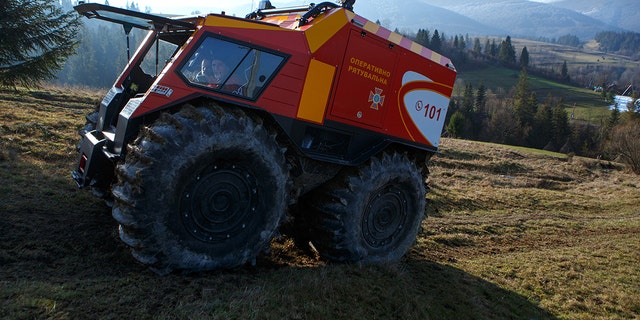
312	10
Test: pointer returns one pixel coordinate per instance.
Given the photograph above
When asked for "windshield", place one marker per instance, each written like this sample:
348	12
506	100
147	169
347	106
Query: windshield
231	67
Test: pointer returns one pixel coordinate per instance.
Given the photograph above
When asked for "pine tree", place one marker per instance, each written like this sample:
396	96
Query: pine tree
487	47
560	123
481	98
133	6
525	106
522	88
493	49
524	58
422	37
462	43
477	49
36	37
436	41
467	101
507	52
564	72
542	134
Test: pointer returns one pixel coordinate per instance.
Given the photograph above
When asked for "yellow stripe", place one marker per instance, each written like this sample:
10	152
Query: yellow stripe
416	48
371	27
218	21
315	93
324	28
395	38
350	15
436	57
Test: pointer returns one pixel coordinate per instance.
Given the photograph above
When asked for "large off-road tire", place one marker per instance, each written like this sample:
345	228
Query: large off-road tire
369	214
202	189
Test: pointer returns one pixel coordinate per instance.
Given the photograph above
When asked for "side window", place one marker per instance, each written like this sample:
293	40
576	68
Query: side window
257	70
151	64
230	67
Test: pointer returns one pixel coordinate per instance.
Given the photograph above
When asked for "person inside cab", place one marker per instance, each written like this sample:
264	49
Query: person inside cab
214	73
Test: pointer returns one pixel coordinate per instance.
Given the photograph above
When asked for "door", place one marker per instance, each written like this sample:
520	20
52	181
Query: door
364	90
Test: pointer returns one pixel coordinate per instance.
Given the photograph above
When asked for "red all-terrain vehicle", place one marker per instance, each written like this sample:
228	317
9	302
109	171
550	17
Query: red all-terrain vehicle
313	110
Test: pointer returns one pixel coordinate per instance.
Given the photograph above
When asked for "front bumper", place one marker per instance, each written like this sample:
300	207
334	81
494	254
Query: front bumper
95	163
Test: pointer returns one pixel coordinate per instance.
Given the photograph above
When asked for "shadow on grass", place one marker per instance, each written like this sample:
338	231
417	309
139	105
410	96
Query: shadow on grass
99	279
409	290
60	257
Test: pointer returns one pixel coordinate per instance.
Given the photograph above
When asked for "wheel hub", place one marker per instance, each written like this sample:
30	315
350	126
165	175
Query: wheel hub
218	205
384	217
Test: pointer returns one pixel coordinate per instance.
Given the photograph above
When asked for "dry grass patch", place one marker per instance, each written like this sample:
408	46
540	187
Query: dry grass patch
512	234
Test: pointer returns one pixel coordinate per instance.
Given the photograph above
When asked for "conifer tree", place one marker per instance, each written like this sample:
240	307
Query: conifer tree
493	48
422	37
525	105
542	136
481	98
560	123
487	47
507	52
524	58
436	41
477	49
564	72
36	37
467	100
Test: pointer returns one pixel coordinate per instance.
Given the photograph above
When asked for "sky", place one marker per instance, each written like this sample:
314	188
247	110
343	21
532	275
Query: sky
185	7
238	7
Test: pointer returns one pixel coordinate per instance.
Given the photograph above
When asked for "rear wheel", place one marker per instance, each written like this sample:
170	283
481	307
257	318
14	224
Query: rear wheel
369	214
202	189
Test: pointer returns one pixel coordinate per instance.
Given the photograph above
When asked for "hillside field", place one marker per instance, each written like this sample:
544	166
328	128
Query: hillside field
512	233
582	103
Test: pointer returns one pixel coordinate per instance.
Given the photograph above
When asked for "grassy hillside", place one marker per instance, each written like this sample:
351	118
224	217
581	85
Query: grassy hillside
510	234
583	103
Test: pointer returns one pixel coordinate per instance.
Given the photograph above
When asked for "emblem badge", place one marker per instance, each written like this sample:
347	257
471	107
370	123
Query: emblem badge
376	99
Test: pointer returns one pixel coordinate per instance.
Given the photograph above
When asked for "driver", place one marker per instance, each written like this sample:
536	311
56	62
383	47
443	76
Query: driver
213	73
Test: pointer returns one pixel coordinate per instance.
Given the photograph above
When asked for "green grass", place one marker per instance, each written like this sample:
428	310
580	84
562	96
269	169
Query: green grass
511	234
580	103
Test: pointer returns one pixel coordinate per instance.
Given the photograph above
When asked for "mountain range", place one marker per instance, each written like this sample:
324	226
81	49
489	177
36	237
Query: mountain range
518	18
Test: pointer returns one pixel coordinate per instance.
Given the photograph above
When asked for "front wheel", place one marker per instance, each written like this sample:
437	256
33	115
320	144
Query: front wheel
202	189
369	214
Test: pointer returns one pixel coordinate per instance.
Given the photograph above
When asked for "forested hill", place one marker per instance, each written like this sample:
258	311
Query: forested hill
625	43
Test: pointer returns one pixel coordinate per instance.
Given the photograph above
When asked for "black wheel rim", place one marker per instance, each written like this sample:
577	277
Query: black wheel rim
384	217
219	204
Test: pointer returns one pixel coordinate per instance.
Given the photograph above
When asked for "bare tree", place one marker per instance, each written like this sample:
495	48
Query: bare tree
624	142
